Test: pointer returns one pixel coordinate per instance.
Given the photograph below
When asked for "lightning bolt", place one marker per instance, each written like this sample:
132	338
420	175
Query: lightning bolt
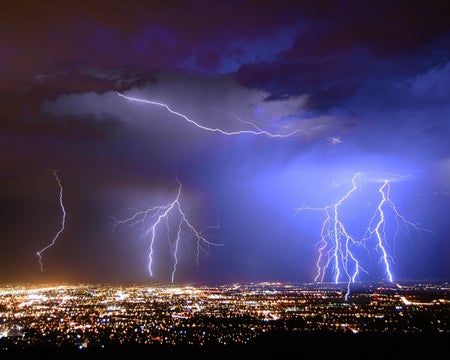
257	130
377	228
63	221
338	249
157	216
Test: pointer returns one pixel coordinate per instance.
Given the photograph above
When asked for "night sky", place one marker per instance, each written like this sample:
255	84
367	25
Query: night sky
263	111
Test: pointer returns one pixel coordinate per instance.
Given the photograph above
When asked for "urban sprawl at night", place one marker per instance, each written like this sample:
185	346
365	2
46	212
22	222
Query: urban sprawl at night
88	316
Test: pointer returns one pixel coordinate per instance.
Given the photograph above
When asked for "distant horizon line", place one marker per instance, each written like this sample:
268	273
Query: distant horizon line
218	284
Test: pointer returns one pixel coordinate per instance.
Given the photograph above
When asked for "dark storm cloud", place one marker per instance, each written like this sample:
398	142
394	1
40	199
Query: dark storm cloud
79	47
133	35
336	55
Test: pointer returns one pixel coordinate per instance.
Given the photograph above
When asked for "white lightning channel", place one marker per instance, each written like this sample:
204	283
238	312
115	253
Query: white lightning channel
158	216
63	221
335	244
258	131
337	247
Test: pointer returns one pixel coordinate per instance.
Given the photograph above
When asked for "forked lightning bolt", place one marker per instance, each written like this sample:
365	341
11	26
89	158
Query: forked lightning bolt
338	250
155	217
377	225
335	245
63	221
257	130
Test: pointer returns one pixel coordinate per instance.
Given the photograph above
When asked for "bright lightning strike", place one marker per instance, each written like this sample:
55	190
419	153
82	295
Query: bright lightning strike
257	130
339	251
157	217
377	225
63	221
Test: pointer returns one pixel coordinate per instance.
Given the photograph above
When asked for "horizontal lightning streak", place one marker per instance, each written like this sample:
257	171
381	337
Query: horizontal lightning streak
258	131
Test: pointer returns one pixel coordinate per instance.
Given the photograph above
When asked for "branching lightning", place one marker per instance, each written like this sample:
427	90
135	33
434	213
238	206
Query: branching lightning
377	228
339	251
257	130
63	221
153	219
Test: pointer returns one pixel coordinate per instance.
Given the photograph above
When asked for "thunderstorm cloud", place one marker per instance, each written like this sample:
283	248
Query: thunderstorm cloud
256	108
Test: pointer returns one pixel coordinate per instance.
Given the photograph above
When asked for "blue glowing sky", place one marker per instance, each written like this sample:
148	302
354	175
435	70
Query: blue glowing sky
321	90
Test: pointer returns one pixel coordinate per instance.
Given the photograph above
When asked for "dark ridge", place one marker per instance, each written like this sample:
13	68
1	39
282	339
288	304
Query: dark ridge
340	346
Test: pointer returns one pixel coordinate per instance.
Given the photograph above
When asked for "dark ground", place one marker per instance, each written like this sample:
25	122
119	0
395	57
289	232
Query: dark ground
344	346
